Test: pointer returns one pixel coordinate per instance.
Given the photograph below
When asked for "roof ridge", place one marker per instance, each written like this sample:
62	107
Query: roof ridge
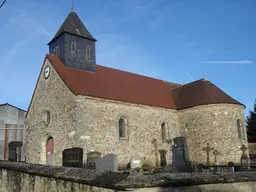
121	70
193	82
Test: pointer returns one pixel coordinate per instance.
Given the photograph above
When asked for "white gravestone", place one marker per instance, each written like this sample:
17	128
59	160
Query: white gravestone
135	162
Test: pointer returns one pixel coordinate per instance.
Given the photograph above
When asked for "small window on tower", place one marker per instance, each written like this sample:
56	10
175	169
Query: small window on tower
57	51
73	47
88	51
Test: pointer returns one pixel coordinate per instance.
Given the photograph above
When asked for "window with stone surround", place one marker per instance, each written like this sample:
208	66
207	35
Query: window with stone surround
164	131
57	50
239	130
122	128
88	51
73	47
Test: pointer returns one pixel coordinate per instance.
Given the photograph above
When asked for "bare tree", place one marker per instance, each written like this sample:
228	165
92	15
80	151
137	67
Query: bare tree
2	4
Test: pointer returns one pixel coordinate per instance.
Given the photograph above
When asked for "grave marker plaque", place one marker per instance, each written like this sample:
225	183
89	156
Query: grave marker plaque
72	157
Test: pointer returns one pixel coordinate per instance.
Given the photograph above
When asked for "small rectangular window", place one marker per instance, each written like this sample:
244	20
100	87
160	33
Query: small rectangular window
73	48
88	51
57	50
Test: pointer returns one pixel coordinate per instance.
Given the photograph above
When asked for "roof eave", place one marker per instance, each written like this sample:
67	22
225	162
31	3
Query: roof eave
191	106
56	37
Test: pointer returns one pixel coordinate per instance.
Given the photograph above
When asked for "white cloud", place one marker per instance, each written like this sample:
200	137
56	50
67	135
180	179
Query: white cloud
242	62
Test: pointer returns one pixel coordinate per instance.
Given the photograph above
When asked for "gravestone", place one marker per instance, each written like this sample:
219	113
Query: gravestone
50	159
163	161
216	153
91	159
200	167
245	160
208	149
107	163
135	162
231	167
180	155
72	157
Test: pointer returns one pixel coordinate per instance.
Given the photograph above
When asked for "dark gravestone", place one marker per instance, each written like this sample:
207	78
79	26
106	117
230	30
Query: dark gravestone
107	163
180	155
72	157
200	168
14	151
231	167
91	159
163	158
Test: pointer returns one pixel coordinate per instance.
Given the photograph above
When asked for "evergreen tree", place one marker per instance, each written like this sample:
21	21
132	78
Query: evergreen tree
251	123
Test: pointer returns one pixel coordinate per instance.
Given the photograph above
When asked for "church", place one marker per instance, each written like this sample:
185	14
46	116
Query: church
78	103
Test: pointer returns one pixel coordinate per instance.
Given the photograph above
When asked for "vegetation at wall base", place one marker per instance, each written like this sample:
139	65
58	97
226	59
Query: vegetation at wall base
251	123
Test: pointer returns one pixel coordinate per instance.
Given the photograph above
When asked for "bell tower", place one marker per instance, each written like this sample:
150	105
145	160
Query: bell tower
74	44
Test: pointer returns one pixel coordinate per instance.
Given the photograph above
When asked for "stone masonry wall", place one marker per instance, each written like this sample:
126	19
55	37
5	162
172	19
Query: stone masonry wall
51	95
216	124
97	130
79	121
91	123
18	177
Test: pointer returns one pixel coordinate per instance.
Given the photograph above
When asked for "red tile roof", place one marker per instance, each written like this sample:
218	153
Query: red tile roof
201	92
123	86
115	84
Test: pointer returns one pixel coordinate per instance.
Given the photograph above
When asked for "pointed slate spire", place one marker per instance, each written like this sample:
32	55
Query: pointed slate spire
73	25
74	45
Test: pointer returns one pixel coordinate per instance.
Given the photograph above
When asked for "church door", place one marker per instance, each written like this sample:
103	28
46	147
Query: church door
50	160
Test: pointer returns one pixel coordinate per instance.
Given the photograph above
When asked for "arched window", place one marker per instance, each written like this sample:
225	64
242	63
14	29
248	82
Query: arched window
47	118
163	131
239	130
122	128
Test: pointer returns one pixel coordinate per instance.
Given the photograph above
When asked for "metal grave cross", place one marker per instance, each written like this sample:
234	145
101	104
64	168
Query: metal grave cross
215	153
208	149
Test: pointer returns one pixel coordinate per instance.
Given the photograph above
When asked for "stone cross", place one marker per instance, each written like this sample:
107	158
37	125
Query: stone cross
208	149
215	153
243	148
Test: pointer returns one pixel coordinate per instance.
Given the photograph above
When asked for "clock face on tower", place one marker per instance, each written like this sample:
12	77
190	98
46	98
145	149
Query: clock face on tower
46	72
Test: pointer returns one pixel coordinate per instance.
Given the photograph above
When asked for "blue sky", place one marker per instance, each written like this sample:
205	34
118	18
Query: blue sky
174	40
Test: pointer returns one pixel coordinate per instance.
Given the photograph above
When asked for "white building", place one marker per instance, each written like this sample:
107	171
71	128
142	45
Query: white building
12	132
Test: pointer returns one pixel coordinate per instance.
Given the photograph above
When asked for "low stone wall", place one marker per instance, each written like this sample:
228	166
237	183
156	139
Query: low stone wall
17	177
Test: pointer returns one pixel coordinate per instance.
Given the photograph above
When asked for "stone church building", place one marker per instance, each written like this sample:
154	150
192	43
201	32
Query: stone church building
78	103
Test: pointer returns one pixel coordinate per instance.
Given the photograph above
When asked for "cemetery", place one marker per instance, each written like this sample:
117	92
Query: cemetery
101	171
100	174
73	157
